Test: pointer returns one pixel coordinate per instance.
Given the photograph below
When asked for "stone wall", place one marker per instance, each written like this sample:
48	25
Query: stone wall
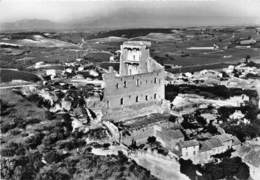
131	96
137	89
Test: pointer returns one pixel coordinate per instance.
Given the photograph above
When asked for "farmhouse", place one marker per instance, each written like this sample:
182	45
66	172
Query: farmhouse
188	149
202	151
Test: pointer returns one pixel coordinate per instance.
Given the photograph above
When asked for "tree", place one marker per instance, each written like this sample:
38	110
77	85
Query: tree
247	58
151	139
243	172
172	119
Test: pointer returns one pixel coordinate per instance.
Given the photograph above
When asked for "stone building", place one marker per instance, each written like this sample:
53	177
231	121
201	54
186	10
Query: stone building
168	137
203	151
140	136
188	149
138	89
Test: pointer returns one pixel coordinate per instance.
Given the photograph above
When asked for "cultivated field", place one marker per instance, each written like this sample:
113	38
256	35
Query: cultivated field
169	46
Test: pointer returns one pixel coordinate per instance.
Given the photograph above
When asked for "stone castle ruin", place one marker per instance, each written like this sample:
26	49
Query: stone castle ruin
138	89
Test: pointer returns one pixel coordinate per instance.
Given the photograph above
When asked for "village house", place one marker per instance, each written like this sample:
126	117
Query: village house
188	149
170	137
202	151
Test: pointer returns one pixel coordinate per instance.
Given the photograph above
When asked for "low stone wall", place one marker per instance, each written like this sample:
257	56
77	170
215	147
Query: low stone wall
126	113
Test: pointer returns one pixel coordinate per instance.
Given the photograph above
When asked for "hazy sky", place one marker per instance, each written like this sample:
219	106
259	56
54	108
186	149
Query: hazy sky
66	10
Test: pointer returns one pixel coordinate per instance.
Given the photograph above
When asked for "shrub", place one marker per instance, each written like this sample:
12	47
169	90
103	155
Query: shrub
13	149
52	156
72	144
32	121
53	173
6	126
151	139
49	115
7	152
15	131
21	123
34	140
243	172
50	139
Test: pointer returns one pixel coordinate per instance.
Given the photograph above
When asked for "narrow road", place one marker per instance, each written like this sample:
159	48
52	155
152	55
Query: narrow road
17	86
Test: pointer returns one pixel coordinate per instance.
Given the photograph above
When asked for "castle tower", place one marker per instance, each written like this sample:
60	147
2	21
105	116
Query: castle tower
134	58
139	88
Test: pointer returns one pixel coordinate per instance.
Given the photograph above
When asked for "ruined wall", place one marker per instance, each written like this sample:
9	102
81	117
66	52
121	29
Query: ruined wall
139	136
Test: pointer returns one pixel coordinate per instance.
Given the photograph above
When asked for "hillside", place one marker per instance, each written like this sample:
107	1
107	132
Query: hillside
37	145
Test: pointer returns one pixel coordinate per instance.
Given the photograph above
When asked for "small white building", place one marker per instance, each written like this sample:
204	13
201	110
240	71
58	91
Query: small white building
51	73
188	149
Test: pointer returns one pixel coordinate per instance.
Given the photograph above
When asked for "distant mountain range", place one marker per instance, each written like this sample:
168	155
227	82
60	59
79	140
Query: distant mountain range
125	18
31	25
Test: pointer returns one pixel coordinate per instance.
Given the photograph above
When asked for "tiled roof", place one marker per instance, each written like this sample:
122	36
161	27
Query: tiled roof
215	142
175	134
169	134
210	144
205	146
236	141
224	137
190	143
140	122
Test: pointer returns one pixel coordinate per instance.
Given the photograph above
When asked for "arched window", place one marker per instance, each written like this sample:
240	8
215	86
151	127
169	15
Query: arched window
155	96
146	98
136	99
155	80
124	84
137	82
117	85
121	101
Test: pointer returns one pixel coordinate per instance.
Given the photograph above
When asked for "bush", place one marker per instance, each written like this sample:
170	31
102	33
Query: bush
53	173
72	144
21	123
7	152
52	156
13	149
15	132
228	168
243	172
34	140
151	139
32	121
49	115
6	126
50	139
